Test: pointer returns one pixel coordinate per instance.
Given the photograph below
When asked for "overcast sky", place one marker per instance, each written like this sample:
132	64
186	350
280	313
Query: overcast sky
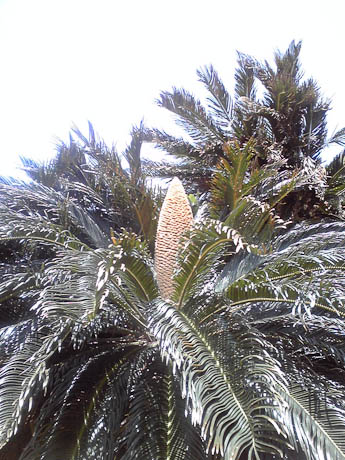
69	61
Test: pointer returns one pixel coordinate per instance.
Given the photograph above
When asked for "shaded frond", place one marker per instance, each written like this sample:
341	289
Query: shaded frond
17	226
157	424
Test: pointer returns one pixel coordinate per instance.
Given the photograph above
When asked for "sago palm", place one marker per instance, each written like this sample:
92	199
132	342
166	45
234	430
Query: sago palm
288	125
219	349
96	176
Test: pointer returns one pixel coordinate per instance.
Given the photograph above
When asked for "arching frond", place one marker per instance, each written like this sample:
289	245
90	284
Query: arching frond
235	178
235	414
322	434
76	402
15	387
289	295
176	146
191	116
55	208
282	276
219	102
157	424
244	77
204	248
34	228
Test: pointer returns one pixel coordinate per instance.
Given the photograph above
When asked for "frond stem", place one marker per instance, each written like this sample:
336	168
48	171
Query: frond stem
309	270
141	286
269	299
45	240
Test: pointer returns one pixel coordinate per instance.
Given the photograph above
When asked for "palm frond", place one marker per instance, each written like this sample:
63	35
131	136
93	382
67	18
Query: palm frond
134	266
191	116
281	275
322	434
15	384
338	138
245	123
157	425
234	416
220	103
37	200
176	146
17	226
335	169
203	249
254	220
236	179
244	77
73	405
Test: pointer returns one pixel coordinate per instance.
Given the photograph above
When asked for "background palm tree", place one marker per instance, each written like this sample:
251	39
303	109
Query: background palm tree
287	124
244	355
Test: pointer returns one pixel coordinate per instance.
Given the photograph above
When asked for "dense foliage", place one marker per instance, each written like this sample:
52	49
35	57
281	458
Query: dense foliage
246	358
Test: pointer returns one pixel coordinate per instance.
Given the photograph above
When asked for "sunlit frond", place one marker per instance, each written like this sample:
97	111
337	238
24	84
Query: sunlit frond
235	415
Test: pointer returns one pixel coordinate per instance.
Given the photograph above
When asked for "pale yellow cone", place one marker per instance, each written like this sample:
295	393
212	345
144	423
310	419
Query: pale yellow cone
175	218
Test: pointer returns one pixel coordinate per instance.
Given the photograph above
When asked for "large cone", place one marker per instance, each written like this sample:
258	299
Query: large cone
175	218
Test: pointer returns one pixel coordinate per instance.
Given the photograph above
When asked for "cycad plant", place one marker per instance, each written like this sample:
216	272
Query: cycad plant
218	337
288	125
240	360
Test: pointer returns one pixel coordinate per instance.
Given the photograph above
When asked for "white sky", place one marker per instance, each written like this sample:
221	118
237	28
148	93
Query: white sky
67	61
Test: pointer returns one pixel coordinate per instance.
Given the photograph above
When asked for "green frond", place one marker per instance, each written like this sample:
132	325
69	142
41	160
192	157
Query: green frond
191	116
167	170
288	63
314	347
336	183
34	228
292	273
336	169
15	387
76	401
244	77
55	208
235	416
84	282
13	285
133	152
157	425
245	123
86	225
133	266
176	146
219	102
235	177
204	248
321	437
253	219
288	295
